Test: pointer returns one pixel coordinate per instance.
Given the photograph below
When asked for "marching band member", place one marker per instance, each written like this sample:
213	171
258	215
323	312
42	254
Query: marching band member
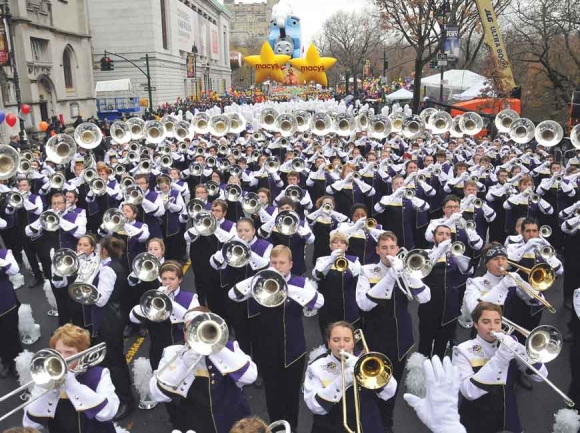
86	401
524	204
179	185
570	223
400	214
437	317
386	320
486	368
209	398
304	203
362	237
496	196
482	215
170	331
98	205
151	205
296	242
322	221
10	345
323	386
174	206
244	316
282	337
349	190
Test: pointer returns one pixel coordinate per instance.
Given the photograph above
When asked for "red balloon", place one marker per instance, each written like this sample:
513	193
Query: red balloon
43	126
52	133
25	108
11	120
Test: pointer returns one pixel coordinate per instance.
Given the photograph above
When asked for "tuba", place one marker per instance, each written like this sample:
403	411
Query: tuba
48	371
269	288
471	123
267	119
146	267
88	135
522	130
120	132
287	222
184	130
344	125
155	131
200	123
204	223
169	122
236	253
251	203
548	133
321	124
137	127
413	127
379	127
426	114
9	161
285	124
133	195
49	220
575	136
504	119
362	120
195	206
61	148
219	125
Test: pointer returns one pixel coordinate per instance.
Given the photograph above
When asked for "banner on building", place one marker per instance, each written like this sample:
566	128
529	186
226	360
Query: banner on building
452	42
494	41
4	50
190	66
215	42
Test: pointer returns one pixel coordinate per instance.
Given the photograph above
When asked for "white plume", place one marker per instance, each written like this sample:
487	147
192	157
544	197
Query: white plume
17	280
567	421
141	375
385	110
22	362
415	379
119	429
25	319
49	294
316	352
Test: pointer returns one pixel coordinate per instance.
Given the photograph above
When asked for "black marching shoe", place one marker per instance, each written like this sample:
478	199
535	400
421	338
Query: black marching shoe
36	281
124	411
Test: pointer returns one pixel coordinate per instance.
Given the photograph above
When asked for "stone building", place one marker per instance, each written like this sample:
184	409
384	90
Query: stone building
167	31
250	21
52	47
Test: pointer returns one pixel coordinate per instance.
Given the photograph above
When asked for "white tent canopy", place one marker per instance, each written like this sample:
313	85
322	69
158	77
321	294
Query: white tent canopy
400	94
123	85
474	92
456	79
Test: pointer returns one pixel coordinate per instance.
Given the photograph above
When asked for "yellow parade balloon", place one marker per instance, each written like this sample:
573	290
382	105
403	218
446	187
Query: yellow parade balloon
267	64
313	67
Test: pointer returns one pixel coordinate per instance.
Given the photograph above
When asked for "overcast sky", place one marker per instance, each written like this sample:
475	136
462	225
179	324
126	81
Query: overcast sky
313	13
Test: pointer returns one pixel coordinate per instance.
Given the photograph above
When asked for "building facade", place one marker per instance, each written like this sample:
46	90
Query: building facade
52	48
168	32
250	21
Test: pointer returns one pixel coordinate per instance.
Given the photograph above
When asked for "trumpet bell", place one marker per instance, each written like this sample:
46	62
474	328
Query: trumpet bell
321	124
418	263
166	161
379	127
49	221
344	125
370	224
133	195
269	288
341	264
126	182
137	127
287	222
207	333
457	248
195	206
541	276
146	267
413	127
155	131
120	132
522	130
60	148
327	208
237	123
200	123
219	125
545	231
114	220
285	124
156	305
267	119
204	223
549	133
373	370
397	121
251	203
83	293
544	344
236	253
471	123
88	135
440	122
504	119
65	262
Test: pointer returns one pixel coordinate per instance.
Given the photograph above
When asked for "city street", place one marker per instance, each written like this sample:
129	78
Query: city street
536	407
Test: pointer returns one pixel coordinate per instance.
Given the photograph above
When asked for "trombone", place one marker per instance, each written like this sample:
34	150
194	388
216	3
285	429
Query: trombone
541	277
543	344
49	369
373	370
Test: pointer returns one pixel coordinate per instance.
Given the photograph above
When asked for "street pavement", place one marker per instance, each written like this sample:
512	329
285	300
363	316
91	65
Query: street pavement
536	407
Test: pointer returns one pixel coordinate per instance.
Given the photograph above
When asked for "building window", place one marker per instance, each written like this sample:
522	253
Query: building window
164	24
39	48
67	66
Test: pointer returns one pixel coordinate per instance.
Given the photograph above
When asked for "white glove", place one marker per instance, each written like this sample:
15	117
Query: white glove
66	225
349	368
396	263
360	223
303	231
111	191
3	263
190	357
36	225
453	218
534	243
504	353
438	410
148	206
218	257
132	230
28	205
172	207
51	254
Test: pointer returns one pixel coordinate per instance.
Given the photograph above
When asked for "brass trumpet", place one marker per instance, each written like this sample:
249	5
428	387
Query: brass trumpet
541	277
341	263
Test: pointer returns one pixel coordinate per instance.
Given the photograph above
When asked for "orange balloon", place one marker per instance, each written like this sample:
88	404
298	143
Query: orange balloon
43	126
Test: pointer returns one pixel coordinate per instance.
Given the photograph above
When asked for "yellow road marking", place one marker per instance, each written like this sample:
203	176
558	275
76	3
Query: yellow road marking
186	267
134	349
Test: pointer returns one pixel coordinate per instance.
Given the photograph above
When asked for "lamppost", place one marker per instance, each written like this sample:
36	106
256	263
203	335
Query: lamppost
194	52
207	86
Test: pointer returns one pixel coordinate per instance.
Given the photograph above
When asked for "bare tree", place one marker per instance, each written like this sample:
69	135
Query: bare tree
351	38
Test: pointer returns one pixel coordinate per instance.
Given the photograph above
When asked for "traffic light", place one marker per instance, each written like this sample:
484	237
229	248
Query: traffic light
107	64
433	64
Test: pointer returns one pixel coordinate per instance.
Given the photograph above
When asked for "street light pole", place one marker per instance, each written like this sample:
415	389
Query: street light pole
194	52
147	74
12	54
